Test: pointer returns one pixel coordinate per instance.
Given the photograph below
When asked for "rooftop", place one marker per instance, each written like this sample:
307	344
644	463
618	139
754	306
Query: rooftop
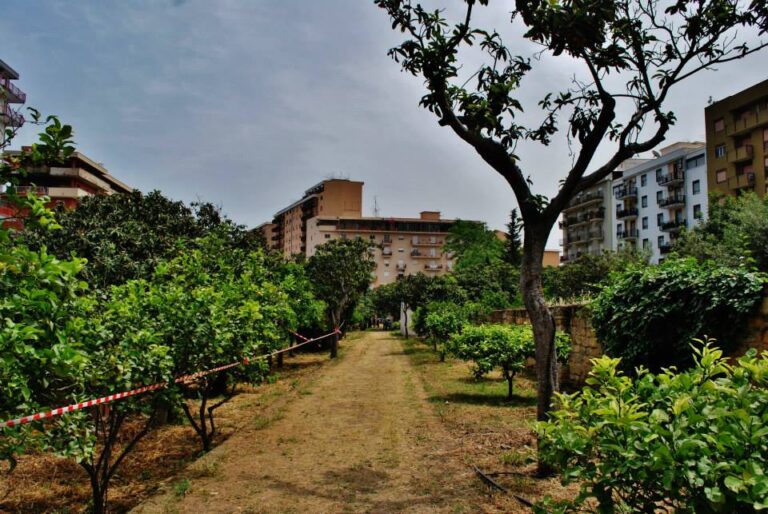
8	72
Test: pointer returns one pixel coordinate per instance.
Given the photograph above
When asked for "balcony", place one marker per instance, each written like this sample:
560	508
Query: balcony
627	234
742	181
673	201
746	123
416	254
433	267
583	218
627	213
625	192
421	242
665	248
386	251
673	225
671	179
13	95
583	199
596	235
35	190
11	118
742	153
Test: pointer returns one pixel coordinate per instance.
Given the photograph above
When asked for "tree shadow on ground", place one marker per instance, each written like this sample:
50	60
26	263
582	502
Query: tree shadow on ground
484	399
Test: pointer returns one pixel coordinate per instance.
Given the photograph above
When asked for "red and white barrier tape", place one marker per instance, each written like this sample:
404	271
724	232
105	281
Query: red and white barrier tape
145	389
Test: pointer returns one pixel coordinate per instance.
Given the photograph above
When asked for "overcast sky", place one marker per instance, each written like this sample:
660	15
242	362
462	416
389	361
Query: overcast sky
247	103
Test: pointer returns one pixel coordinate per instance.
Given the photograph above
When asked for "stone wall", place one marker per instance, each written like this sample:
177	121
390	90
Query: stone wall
575	320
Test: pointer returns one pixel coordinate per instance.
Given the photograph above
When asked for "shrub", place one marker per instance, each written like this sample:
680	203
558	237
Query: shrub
647	316
499	346
693	441
442	320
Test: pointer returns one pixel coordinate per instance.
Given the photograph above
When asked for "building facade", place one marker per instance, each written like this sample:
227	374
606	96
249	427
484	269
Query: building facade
401	246
655	199
10	95
737	141
643	205
66	185
332	209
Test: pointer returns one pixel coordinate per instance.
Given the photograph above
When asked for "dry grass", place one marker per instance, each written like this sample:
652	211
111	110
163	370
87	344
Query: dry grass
44	483
494	434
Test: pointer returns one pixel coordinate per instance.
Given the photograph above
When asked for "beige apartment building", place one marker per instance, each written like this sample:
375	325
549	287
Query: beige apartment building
332	209
737	141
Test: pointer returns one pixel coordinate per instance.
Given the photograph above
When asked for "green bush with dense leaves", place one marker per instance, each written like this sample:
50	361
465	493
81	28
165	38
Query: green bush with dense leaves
500	346
586	276
689	442
648	316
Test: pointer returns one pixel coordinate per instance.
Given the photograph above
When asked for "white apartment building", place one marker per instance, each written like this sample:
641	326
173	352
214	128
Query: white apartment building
643	205
653	200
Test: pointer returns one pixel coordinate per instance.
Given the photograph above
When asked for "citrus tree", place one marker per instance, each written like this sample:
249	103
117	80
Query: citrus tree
688	442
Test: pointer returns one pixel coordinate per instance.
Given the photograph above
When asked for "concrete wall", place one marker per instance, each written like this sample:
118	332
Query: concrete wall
576	321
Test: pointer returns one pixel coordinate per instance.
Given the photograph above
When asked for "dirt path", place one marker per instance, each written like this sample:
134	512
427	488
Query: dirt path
362	439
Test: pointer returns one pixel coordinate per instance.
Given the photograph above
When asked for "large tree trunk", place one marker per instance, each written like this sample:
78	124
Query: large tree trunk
542	321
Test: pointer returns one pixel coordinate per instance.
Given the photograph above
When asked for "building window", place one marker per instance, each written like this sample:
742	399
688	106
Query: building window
660	219
697	212
386	274
720	151
401	250
720	176
644	180
644	201
400	238
659	196
645	222
327	236
658	174
372	237
646	244
660	240
719	125
695	162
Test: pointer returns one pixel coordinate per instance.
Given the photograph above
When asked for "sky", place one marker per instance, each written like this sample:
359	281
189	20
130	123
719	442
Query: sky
248	103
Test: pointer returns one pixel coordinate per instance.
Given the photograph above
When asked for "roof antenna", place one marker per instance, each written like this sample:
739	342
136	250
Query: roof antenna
375	206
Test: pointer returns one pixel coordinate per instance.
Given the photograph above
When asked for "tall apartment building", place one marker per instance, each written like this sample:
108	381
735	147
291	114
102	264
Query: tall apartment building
9	94
332	209
737	141
588	220
643	205
66	184
653	200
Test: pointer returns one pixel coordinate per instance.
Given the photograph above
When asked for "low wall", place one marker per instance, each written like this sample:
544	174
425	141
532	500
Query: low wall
575	320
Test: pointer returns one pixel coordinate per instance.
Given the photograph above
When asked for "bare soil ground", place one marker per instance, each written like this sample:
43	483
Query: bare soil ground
365	440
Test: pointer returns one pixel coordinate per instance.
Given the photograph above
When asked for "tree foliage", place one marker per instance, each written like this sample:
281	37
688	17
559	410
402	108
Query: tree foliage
124	236
735	233
499	346
341	271
688	442
513	245
648	316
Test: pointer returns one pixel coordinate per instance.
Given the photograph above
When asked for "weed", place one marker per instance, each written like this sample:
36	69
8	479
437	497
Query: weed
181	488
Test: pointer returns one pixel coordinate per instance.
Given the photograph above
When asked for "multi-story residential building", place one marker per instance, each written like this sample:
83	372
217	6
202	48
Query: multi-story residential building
9	94
402	246
333	209
333	197
77	177
737	141
653	200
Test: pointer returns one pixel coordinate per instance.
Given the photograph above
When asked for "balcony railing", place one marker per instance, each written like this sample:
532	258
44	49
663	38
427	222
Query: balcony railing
627	234
585	217
14	94
673	225
669	179
665	248
586	198
10	117
596	235
625	192
627	213
742	181
742	153
747	122
35	190
422	242
672	201
433	267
